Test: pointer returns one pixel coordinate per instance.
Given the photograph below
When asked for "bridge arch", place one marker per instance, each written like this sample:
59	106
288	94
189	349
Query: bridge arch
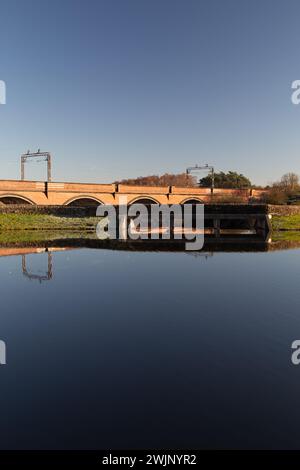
144	200
8	199
83	201
193	200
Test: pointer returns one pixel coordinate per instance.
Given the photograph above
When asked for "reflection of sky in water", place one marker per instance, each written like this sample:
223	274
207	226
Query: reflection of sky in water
126	349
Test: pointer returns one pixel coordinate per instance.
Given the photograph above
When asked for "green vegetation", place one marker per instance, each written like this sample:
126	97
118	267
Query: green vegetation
286	222
33	229
226	180
31	237
46	222
287	236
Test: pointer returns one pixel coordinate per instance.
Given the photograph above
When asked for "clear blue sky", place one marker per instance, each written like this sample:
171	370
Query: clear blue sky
122	88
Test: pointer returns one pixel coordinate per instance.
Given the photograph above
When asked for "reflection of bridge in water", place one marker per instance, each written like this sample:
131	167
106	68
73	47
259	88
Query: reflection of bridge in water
39	277
27	251
211	246
23	252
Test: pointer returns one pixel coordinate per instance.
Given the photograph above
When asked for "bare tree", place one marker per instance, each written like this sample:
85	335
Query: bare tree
283	191
290	181
180	180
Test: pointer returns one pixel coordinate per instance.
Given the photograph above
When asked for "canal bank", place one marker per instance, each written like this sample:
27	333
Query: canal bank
18	217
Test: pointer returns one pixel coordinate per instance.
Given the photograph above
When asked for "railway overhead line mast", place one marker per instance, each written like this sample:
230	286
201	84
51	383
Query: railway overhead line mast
37	157
197	170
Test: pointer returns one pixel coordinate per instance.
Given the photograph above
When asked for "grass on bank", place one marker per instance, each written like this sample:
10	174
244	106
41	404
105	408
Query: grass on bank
286	222
53	222
19	237
46	222
287	236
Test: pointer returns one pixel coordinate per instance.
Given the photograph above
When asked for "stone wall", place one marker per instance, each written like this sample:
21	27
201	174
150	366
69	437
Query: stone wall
283	210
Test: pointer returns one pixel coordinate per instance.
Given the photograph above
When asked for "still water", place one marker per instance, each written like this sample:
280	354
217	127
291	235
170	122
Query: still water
123	349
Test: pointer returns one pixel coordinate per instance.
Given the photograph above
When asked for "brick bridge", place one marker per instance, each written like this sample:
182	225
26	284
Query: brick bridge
85	194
